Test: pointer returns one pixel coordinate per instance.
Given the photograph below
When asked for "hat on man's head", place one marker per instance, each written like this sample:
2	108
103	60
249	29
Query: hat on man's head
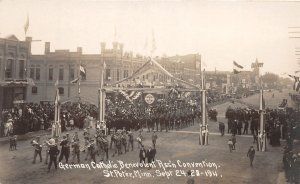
51	142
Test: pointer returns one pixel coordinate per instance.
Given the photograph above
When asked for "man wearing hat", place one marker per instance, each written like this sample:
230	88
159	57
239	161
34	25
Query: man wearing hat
130	141
92	150
64	149
154	138
37	149
251	154
53	152
75	150
46	145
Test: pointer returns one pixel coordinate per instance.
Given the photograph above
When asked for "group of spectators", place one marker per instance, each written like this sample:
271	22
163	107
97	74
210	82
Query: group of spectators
279	125
33	117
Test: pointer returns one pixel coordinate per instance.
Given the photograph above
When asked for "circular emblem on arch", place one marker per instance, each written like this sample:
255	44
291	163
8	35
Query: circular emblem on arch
149	99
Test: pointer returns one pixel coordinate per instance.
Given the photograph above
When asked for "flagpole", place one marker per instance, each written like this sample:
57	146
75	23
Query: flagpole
262	133
79	79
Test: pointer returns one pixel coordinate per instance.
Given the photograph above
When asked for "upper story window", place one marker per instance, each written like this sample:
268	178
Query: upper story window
50	74
61	90
107	74
8	68
21	68
35	72
72	74
61	74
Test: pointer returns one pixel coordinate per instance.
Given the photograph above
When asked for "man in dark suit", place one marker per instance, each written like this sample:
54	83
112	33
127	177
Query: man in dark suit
149	154
142	154
251	154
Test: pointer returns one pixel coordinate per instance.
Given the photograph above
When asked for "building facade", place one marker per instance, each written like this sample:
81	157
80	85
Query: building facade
63	66
14	58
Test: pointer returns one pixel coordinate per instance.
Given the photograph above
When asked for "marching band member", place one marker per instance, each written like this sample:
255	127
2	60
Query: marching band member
53	153
47	148
37	149
64	149
75	150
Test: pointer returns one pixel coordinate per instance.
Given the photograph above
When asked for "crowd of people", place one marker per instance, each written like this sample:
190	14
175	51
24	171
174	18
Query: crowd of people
279	125
33	117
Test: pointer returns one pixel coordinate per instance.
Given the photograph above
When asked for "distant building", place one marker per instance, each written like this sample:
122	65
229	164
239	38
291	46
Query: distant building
14	57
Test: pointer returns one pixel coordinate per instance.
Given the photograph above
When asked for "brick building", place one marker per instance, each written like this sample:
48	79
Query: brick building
63	66
14	57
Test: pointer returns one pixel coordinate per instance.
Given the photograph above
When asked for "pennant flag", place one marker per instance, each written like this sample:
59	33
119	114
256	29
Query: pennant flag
236	71
115	33
30	82
137	95
296	85
75	81
104	65
82	71
153	43
56	83
146	44
57	98
237	65
26	26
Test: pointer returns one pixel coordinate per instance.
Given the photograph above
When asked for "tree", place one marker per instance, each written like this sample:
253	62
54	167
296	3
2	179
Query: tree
270	78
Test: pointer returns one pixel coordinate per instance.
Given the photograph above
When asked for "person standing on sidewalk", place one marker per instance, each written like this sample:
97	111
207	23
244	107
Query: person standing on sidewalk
251	154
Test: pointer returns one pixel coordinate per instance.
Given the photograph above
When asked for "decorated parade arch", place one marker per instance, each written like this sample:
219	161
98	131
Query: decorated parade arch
151	67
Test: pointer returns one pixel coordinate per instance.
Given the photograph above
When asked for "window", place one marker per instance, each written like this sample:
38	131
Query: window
8	69
61	74
125	73
107	74
37	74
32	73
21	68
61	90
72	74
118	74
50	77
34	90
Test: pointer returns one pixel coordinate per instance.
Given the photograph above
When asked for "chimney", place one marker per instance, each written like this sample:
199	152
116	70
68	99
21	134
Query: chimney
28	39
79	50
47	47
103	44
121	48
115	46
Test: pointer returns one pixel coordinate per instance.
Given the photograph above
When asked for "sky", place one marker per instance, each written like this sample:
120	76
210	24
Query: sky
220	31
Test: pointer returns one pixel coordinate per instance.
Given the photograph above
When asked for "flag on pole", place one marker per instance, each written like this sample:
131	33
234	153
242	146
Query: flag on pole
75	81
237	65
146	44
57	97
26	26
82	71
237	68
104	65
296	85
115	33
30	82
153	43
56	83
